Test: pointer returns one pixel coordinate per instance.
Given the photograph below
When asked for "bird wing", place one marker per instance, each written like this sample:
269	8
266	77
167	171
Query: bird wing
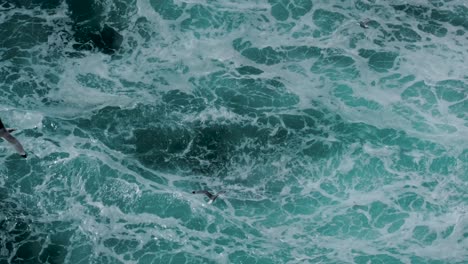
19	148
219	193
207	193
216	196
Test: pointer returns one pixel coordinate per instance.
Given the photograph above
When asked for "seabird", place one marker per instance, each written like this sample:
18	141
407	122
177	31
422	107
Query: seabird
364	23
5	133
210	195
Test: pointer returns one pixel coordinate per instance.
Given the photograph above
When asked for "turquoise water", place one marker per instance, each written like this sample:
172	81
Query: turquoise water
334	143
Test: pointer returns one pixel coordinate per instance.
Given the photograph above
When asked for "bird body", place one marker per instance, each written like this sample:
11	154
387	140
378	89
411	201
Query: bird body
364	23
210	195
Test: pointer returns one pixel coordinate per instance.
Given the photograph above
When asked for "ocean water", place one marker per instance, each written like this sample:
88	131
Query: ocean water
334	143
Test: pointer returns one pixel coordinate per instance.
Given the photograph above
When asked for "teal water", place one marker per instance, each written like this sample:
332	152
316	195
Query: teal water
334	143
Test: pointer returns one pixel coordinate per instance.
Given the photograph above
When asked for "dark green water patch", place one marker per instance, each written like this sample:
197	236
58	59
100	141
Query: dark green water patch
420	94
43	4
417	11
167	9
246	70
164	147
444	165
94	81
212	146
250	208
241	256
363	5
327	21
23	31
404	33
245	95
269	55
452	90
179	101
204	17
379	258
457	18
455	92
424	235
412	202
121	246
305	205
335	67
421	260
90	28
53	254
119	11
379	61
163	205
460	109
345	93
21	84
352	224
361	132
168	145
433	28
368	174
217	146
281	10
22	238
385	216
318	150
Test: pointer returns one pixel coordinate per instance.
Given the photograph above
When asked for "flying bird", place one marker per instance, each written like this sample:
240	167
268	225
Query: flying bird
364	23
210	195
5	133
